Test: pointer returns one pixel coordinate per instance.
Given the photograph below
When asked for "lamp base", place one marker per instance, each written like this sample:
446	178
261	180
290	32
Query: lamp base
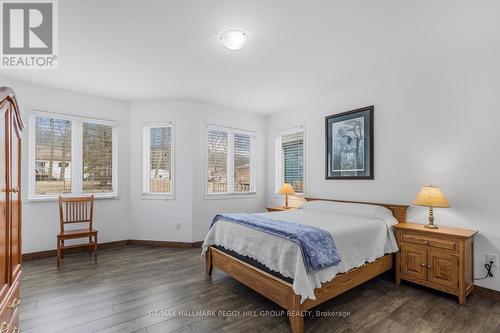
431	224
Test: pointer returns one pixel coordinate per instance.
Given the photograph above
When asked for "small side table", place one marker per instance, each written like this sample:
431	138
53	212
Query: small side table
436	258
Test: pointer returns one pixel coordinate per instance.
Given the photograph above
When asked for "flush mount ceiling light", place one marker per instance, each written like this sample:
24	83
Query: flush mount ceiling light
233	39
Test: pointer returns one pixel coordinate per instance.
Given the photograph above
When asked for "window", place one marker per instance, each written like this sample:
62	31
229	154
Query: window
217	161
97	158
52	156
290	159
158	160
71	155
242	151
230	161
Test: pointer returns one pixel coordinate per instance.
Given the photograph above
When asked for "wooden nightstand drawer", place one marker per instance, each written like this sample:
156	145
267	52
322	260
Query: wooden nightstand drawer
447	244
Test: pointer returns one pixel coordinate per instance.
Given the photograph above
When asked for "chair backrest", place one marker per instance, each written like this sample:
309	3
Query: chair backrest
76	210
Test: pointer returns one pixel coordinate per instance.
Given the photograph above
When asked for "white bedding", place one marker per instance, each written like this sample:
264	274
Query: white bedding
362	233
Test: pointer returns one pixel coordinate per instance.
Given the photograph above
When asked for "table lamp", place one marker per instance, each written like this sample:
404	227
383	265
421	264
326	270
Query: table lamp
432	197
287	190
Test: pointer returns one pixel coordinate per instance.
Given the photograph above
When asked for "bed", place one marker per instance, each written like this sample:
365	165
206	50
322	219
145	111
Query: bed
274	267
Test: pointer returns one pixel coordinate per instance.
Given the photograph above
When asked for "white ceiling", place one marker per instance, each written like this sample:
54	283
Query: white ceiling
297	49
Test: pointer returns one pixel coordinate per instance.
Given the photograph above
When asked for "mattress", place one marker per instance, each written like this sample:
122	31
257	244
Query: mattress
362	234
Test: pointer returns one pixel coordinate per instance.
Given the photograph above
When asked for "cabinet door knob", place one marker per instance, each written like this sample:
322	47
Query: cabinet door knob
14	304
15	189
429	266
426	242
424	265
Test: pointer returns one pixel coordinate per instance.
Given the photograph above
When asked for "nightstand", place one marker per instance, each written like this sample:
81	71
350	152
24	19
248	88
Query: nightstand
278	208
436	258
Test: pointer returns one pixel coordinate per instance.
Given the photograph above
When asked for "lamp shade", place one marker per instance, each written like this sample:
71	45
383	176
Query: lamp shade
287	189
431	196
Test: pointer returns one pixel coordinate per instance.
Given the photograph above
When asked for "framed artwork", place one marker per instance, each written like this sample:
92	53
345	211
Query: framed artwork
349	144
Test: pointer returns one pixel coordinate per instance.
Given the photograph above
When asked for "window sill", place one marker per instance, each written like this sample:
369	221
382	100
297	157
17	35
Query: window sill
218	196
48	198
152	196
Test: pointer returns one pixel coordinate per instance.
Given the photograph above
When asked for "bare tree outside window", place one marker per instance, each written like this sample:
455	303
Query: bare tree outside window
217	161
52	156
229	161
97	158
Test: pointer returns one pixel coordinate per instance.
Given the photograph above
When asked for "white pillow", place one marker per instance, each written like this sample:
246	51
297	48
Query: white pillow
356	209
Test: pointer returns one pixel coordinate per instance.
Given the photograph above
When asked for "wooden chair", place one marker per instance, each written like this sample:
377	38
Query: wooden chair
76	210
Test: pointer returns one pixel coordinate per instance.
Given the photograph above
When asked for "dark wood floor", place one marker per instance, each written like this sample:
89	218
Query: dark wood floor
127	284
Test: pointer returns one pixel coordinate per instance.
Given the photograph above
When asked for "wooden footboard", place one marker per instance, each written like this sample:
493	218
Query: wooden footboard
281	292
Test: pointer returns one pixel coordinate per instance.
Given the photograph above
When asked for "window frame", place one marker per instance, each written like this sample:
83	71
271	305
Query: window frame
278	159
76	155
231	131
145	162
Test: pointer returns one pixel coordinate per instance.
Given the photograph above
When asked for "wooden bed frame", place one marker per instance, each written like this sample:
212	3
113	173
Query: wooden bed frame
281	292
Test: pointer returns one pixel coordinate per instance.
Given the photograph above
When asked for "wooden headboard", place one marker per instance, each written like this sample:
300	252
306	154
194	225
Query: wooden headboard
399	211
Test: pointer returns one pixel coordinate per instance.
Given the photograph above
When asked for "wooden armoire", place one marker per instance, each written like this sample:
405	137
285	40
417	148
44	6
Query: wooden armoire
11	126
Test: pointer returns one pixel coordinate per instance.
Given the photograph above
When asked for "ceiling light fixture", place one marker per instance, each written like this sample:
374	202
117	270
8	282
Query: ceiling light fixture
233	39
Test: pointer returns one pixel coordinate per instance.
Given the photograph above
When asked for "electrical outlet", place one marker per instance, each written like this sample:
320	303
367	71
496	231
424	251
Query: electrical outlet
492	258
178	226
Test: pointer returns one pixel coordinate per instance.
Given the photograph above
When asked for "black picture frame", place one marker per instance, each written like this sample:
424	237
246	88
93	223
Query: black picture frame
354	133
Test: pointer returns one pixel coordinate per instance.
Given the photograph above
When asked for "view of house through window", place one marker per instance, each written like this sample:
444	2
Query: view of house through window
229	161
52	156
70	155
291	168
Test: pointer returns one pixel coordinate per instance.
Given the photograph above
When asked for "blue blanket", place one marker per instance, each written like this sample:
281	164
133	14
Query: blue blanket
317	245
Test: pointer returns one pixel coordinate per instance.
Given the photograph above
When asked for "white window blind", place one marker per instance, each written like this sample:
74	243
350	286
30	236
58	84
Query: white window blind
291	160
52	156
242	151
230	161
158	159
97	158
71	155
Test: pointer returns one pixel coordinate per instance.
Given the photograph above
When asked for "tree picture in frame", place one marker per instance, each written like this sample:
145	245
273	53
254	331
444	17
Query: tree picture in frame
349	144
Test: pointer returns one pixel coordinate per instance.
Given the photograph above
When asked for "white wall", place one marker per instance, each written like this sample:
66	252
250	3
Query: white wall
157	219
130	216
436	122
41	219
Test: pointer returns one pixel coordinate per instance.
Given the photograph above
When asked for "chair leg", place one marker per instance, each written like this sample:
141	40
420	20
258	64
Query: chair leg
90	245
58	253
62	248
95	246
